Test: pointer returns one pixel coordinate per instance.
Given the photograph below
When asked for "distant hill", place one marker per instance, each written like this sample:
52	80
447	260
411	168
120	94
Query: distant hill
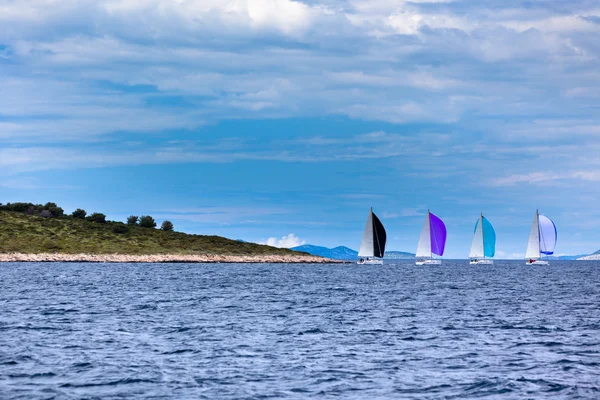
565	257
337	253
345	253
399	255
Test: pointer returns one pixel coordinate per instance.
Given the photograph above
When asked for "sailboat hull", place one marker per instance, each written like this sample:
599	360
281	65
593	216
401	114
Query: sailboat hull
428	262
481	262
537	262
370	262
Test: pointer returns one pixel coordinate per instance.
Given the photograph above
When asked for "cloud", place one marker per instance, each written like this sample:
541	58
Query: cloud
547	178
79	69
287	242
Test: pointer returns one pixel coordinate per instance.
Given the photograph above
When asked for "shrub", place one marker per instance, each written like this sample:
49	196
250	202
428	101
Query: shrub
18	207
167	226
79	213
97	217
31	210
50	205
120	228
147	222
57	211
132	220
46	214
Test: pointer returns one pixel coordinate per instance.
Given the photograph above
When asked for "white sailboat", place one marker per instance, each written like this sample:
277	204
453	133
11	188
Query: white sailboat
484	243
432	241
372	247
542	239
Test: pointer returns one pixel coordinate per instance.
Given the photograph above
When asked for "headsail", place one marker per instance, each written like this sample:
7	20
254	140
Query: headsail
477	250
379	237
548	235
438	235
424	246
533	246
489	238
366	246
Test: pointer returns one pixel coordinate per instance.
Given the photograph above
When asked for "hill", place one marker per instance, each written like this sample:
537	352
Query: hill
347	254
29	234
337	253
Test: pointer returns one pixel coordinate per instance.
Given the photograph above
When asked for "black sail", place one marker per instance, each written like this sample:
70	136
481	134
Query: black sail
379	237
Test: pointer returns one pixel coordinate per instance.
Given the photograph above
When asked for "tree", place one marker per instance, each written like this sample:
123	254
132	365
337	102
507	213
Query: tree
79	213
46	214
50	205
132	220
147	222
167	226
31	210
97	217
57	211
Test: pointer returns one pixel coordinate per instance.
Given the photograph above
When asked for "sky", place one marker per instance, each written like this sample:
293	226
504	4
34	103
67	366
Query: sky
282	122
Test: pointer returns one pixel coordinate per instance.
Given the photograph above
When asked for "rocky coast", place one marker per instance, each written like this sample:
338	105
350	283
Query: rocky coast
163	258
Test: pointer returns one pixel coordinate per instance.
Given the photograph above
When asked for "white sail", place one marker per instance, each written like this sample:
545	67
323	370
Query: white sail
477	244
366	246
424	247
533	246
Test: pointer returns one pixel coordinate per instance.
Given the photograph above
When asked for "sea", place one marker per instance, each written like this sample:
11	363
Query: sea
297	331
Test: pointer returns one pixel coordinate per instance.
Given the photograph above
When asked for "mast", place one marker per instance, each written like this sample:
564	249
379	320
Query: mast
429	223
482	233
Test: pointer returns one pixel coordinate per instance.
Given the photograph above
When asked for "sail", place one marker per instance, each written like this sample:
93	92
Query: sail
424	247
379	237
533	246
438	235
489	238
547	234
477	250
366	246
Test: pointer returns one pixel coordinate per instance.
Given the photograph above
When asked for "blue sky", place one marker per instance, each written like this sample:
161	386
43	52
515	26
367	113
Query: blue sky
259	119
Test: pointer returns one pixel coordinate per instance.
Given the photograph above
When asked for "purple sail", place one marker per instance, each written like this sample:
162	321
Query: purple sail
438	235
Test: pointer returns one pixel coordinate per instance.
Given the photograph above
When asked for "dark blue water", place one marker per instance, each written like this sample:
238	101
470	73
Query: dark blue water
185	331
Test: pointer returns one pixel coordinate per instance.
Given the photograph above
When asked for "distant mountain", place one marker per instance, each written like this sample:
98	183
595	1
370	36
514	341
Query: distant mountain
399	255
337	253
594	256
345	253
565	257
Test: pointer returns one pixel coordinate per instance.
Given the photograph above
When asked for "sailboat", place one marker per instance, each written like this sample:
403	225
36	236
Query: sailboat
372	246
432	241
484	242
542	239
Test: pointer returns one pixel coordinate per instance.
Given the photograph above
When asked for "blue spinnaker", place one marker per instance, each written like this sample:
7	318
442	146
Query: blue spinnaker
489	238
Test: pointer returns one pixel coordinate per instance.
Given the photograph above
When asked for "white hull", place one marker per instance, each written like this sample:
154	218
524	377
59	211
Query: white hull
537	262
370	262
428	262
481	262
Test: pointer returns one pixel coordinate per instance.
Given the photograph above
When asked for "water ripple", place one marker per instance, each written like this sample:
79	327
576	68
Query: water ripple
172	331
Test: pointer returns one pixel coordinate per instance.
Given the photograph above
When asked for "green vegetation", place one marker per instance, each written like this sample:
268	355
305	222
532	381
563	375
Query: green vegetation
167	226
31	234
147	222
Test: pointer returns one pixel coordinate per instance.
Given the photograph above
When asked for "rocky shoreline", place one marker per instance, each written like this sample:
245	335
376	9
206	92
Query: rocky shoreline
162	258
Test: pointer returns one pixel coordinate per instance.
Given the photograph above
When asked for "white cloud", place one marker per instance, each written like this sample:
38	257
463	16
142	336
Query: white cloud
547	178
287	241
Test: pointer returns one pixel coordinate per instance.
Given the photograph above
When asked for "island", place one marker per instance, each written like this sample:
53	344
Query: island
43	233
